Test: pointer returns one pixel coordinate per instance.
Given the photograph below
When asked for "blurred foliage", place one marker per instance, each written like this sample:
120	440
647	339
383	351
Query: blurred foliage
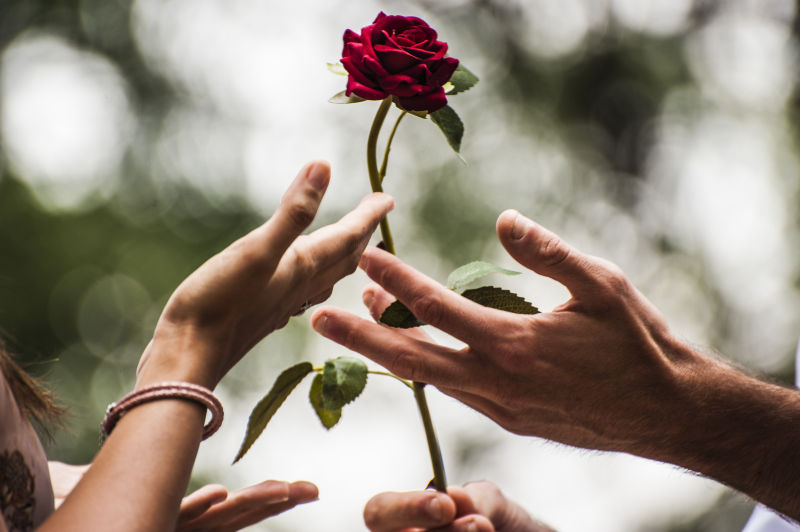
85	285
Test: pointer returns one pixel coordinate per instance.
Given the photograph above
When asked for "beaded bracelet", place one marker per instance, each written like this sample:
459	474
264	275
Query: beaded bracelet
164	390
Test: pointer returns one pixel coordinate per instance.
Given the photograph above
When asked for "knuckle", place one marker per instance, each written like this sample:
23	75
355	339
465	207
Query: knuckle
301	214
403	364
553	251
428	307
614	281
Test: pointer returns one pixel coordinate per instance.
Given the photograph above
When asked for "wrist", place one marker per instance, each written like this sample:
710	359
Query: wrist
734	428
180	356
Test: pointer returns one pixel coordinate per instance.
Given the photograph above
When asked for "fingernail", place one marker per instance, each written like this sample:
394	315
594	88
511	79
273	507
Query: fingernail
318	176
520	227
472	526
321	324
435	509
364	261
368	298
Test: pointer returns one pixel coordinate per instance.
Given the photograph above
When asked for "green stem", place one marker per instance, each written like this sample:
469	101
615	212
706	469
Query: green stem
372	167
392	375
375	178
389	146
439	479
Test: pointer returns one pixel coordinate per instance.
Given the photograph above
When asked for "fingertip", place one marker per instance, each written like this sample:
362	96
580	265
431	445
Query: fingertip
512	226
303	491
318	174
319	320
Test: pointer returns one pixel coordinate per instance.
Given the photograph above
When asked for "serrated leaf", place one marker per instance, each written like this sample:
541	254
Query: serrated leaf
462	80
342	97
343	379
397	315
337	68
462	276
494	297
266	408
328	418
451	125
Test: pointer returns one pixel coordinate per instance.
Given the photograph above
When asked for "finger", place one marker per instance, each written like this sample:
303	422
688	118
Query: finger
392	512
241	502
434	304
334	250
295	213
194	504
376	299
545	253
471	523
300	492
409	358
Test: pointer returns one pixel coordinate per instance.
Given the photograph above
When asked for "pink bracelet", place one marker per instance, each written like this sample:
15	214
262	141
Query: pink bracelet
164	390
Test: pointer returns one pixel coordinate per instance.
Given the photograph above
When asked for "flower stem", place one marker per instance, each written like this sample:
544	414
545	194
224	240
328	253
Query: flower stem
392	375
375	178
372	168
385	163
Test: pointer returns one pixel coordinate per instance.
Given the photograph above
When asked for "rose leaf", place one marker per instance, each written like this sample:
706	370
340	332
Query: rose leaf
462	80
451	125
493	297
462	276
328	418
343	379
266	408
342	97
397	315
337	68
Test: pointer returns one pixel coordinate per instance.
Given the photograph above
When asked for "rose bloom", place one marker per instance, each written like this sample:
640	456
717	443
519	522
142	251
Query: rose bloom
398	56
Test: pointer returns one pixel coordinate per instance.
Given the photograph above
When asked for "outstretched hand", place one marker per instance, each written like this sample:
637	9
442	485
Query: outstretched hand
590	373
476	507
211	508
257	283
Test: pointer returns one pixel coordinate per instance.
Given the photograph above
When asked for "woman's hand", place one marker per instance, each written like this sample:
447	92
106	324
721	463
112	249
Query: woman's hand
477	507
213	509
257	283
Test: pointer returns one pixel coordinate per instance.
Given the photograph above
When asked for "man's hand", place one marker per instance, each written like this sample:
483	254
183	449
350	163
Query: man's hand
477	507
601	371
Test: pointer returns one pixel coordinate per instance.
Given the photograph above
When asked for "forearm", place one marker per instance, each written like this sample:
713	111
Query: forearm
734	428
137	480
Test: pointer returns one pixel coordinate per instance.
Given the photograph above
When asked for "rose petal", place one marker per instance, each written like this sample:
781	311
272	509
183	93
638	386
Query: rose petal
351	36
430	102
394	60
363	91
444	72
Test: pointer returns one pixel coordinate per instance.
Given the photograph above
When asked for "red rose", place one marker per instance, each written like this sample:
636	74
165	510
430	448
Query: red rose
398	56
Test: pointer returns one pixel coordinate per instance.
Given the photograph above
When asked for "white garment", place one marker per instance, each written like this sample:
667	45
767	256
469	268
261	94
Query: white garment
763	519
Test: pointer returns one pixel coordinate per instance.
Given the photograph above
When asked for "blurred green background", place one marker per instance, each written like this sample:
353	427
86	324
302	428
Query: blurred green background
137	138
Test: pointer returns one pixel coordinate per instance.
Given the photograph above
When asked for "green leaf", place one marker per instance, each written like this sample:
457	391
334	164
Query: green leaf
451	125
337	68
462	80
493	297
329	418
343	379
398	315
266	408
462	276
342	97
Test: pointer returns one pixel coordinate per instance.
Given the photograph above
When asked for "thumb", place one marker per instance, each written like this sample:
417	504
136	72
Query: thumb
544	252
